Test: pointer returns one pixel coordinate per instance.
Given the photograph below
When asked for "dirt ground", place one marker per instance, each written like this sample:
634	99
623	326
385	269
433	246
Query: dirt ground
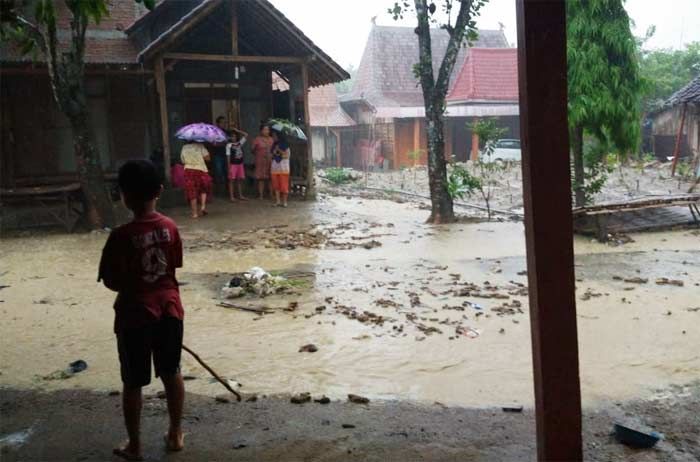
83	425
430	322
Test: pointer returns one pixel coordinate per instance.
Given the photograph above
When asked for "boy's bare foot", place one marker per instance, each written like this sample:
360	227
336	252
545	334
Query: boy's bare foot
233	199
194	217
243	198
128	452
174	443
203	213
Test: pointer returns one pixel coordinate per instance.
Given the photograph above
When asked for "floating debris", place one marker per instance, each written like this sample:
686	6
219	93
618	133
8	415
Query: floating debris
467	332
508	308
255	281
357	399
384	302
588	294
670	282
310	348
301	398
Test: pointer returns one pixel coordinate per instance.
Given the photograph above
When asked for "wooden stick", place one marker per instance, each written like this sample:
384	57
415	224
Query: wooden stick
211	371
253	309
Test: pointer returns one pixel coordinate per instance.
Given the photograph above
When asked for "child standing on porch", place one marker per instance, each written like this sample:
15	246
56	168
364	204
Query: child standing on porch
280	168
234	161
139	262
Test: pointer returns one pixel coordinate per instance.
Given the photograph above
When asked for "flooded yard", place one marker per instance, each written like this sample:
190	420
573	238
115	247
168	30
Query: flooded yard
396	308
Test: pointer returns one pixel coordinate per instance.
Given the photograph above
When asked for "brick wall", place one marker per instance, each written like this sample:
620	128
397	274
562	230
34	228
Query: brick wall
121	14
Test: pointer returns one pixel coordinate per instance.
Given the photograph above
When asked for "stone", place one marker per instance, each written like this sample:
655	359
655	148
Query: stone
357	399
301	398
310	348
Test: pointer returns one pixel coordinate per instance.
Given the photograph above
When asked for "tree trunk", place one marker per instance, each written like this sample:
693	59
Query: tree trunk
442	210
434	101
98	203
579	177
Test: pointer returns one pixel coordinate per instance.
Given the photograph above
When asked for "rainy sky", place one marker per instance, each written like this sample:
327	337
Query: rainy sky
340	27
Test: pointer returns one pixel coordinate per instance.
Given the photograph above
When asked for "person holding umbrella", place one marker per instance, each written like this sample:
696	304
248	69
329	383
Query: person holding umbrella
194	156
280	168
197	180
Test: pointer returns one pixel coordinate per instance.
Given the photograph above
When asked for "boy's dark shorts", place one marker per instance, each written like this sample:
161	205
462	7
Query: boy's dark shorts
162	340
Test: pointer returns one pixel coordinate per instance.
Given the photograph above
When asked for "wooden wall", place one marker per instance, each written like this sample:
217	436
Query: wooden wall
40	137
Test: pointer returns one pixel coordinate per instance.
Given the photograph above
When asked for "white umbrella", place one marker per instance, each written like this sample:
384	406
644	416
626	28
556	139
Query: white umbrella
287	128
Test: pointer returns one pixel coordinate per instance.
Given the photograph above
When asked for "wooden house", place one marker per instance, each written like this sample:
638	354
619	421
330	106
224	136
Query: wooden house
676	127
386	100
329	124
149	72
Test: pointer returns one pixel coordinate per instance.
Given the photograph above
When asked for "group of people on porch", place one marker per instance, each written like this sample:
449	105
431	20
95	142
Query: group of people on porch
223	163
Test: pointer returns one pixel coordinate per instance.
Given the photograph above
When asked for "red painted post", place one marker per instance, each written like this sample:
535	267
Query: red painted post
677	147
548	227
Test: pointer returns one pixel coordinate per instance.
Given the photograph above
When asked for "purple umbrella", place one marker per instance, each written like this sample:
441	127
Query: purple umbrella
202	133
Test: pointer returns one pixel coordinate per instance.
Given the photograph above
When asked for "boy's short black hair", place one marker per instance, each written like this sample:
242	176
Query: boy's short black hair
220	118
140	180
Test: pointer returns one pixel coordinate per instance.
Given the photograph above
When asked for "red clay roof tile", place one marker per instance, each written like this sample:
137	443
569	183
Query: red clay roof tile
488	74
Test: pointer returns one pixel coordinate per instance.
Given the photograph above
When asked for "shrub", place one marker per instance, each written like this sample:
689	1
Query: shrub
336	175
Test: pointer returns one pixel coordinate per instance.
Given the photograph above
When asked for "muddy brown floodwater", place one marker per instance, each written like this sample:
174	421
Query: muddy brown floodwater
435	313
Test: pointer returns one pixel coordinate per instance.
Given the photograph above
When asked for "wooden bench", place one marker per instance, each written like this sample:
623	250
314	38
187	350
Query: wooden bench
61	201
602	212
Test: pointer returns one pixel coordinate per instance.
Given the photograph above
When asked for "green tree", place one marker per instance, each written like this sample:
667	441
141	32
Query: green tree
605	83
487	168
32	25
346	85
435	86
667	71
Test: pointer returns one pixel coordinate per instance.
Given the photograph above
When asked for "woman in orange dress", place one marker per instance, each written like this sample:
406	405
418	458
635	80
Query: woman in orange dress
263	159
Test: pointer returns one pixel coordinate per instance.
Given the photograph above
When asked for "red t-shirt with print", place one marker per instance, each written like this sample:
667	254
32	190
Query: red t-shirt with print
139	262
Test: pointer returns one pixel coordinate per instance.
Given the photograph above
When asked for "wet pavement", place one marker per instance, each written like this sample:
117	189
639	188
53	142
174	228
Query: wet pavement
431	314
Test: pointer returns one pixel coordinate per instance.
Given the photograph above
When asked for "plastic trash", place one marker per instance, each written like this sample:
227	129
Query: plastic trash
78	366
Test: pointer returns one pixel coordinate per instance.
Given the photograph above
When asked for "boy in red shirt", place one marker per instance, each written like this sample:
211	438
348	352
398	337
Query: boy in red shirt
138	262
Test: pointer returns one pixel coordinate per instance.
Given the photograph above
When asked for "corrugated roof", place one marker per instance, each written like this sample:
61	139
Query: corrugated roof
324	109
488	74
385	76
688	94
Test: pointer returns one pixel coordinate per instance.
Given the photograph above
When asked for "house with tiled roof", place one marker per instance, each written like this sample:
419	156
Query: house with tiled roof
676	126
150	72
329	122
386	99
486	86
